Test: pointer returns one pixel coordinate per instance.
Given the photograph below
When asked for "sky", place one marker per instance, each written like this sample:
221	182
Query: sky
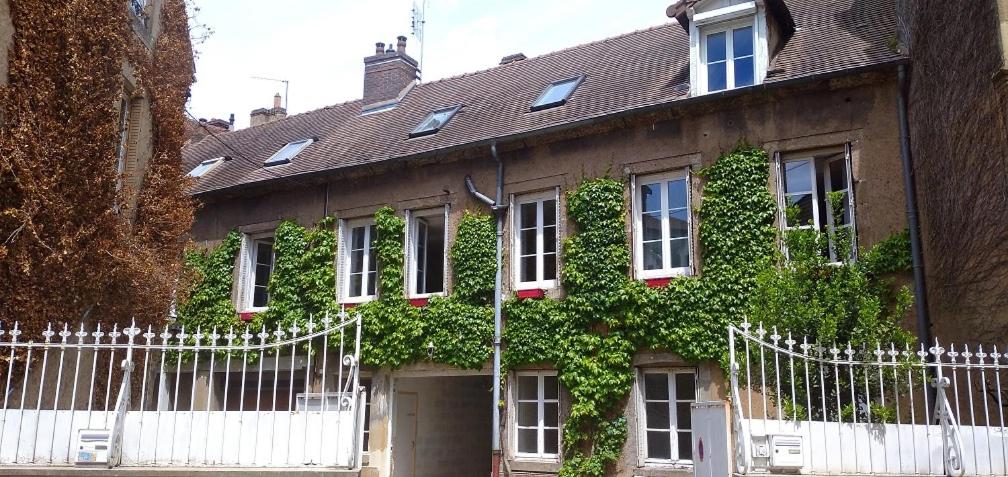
319	45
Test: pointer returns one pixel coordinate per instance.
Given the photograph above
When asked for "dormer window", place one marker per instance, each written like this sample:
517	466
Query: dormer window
728	45
286	153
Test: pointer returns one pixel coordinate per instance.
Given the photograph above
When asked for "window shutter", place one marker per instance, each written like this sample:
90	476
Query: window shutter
850	199
634	255
510	219
240	292
689	221
408	243
341	253
132	141
781	212
444	249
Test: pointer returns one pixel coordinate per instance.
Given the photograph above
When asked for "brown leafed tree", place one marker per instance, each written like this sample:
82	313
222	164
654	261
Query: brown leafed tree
73	244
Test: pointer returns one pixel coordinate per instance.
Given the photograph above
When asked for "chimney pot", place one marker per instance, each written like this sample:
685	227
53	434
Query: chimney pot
401	44
276	101
389	72
231	122
389	49
379	48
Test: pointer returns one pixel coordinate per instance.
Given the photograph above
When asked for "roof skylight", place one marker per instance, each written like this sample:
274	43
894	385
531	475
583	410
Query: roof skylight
434	121
557	93
205	166
286	153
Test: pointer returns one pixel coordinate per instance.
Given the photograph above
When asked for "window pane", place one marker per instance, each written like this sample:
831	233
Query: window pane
838	174
549	266
551	414
659	445
557	92
372	279
357	241
528	215
716	47
677	194
798	176
527	441
528	269
652	256
742	42
656	386
552	441
357	261
356	282
678	224
549	239
686	445
650	197
528	387
685	385
551	387
651	225
528	241
262	275
717	76
657	415
745	74
528	414
549	212
679	251
260	297
683	420
804	203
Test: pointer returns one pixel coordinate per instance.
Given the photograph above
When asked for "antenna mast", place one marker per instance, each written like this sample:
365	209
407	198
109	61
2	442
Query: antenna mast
417	26
286	87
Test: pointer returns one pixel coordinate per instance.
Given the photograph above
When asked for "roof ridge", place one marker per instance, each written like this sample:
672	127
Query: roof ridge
552	53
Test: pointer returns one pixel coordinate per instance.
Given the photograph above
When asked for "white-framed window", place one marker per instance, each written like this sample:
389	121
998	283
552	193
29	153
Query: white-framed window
536	240
728	55
663	224
425	252
358	261
258	258
664	423
806	181
366	441
537	415
287	152
205	167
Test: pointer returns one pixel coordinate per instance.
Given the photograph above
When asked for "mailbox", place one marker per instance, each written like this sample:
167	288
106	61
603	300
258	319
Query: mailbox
93	446
786	452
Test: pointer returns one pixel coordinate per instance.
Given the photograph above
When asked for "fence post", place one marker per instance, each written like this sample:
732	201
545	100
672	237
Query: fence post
123	400
951	440
741	450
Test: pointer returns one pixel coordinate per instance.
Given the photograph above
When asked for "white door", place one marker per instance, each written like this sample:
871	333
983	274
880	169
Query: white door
404	435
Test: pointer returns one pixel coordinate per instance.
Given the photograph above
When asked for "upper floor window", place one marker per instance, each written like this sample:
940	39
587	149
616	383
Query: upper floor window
806	184
359	261
286	153
535	240
537	415
257	267
426	253
665	425
662	222
556	93
727	54
204	167
434	121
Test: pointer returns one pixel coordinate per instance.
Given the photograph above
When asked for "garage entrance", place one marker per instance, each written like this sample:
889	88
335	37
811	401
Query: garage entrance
442	426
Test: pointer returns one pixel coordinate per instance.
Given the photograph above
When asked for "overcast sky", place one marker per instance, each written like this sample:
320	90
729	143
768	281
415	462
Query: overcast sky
319	45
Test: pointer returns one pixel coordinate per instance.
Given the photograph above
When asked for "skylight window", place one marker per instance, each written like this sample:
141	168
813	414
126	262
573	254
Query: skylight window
286	153
557	93
205	166
434	121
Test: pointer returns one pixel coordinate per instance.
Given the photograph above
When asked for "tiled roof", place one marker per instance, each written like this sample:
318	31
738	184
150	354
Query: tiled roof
641	69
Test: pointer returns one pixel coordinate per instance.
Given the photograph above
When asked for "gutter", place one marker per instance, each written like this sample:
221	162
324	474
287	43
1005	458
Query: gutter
499	209
906	157
727	94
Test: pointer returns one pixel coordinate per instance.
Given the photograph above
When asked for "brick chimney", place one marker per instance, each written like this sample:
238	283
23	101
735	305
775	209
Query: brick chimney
263	115
388	72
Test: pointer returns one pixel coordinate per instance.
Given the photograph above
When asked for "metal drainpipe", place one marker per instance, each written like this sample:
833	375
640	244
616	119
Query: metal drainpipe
920	291
499	209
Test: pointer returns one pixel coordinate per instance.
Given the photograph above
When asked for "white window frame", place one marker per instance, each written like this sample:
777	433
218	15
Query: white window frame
413	260
728	28
541	402
822	220
210	164
540	249
638	231
248	271
642	429
346	241
705	22
277	158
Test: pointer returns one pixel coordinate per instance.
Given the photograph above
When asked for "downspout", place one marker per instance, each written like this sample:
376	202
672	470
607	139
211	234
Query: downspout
920	291
499	209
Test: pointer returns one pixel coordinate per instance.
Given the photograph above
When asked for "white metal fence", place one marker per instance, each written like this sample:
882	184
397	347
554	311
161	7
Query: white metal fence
830	409
132	397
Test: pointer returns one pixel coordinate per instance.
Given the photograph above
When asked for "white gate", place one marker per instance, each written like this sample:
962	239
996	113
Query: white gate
832	409
247	398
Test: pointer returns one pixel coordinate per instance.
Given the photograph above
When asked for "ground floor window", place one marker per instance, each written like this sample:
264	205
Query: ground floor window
664	414
537	415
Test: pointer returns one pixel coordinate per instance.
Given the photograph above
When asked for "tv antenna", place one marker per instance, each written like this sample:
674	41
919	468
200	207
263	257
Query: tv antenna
285	82
417	22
